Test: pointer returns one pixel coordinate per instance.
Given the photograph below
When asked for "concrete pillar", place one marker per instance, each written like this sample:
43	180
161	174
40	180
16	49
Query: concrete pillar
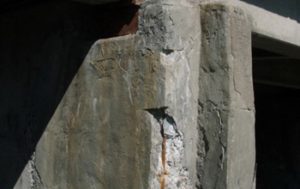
172	29
226	104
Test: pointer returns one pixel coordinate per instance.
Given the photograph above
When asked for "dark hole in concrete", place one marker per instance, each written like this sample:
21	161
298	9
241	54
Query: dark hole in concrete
277	101
42	45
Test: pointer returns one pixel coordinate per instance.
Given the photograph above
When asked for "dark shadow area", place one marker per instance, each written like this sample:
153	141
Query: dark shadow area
287	8
42	45
277	137
277	97
277	47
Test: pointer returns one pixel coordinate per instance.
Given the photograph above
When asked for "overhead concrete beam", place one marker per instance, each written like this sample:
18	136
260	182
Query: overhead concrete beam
267	23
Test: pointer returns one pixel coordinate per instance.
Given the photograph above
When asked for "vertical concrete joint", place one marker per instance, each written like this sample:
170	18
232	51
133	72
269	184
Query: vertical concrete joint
226	111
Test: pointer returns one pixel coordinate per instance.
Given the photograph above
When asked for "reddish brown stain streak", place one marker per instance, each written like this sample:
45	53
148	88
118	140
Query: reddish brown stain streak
131	27
163	154
162	181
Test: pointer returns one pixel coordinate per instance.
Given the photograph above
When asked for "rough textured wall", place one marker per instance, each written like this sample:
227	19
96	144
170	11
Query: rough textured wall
98	132
103	127
226	116
99	136
168	29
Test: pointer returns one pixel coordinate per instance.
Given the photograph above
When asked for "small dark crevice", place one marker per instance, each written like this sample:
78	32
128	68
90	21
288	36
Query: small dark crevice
161	115
205	140
158	114
167	51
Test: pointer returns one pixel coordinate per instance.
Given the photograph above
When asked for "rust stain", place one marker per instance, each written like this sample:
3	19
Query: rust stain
162	181
131	27
163	154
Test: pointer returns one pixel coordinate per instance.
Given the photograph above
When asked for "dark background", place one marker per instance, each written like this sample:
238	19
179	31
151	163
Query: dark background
42	45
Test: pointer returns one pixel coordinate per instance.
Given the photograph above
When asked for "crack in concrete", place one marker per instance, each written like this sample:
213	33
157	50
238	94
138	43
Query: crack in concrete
205	140
223	146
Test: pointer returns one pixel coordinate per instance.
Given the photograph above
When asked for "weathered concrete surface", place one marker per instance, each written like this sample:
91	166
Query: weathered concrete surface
101	135
103	115
101	128
99	132
166	27
226	109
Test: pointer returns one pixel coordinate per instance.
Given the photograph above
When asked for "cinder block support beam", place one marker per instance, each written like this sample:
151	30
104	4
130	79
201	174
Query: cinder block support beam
226	119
